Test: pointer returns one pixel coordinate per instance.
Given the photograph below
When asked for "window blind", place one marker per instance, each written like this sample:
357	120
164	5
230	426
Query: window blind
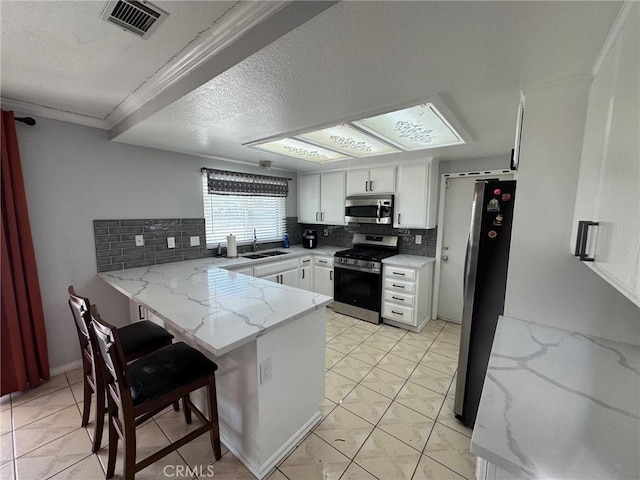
240	214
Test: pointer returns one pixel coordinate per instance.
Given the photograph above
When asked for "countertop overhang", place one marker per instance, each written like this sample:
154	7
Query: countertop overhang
559	404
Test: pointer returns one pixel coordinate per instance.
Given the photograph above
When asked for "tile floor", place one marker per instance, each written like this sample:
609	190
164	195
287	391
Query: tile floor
387	415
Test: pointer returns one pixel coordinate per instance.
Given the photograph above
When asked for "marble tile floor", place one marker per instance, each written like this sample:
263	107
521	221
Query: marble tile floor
387	415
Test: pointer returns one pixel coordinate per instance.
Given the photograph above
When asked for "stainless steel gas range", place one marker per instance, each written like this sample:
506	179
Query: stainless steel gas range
358	276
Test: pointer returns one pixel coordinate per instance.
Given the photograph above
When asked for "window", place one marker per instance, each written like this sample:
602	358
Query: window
227	213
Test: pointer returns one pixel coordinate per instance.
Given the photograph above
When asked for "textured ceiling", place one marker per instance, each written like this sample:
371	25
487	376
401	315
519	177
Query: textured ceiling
61	55
353	59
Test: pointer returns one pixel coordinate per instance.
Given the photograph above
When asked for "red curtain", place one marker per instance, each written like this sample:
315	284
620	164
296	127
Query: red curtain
23	339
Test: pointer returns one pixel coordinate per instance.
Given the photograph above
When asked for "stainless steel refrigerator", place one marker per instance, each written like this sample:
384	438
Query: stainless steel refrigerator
485	280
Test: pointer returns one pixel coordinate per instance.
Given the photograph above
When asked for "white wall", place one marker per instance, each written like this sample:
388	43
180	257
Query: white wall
546	283
74	175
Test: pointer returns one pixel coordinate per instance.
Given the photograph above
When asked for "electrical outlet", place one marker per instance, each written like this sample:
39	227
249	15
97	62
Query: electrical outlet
171	242
265	371
194	241
139	241
418	239
326	232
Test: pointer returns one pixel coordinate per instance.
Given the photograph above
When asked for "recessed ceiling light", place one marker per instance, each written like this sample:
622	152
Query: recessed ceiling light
419	127
422	126
302	150
347	139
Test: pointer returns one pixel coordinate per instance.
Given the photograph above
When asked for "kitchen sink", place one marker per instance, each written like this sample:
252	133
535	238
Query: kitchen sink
273	254
254	256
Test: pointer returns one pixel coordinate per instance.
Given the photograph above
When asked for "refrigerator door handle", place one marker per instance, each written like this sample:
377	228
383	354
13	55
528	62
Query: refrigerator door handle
469	285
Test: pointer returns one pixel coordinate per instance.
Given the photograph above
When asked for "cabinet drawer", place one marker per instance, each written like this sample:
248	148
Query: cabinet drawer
397	312
399	285
275	267
323	261
399	273
399	298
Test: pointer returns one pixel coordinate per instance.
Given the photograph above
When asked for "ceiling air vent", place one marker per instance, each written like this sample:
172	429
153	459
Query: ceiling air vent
139	18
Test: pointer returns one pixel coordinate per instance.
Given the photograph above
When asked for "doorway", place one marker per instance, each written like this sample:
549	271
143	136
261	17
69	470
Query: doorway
454	220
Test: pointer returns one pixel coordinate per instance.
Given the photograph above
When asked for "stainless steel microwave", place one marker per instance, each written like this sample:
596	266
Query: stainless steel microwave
369	209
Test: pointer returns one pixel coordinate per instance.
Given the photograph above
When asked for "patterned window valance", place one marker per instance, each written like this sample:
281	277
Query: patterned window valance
223	182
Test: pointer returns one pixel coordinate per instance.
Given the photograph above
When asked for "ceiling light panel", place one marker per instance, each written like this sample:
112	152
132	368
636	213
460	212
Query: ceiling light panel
349	140
301	150
422	126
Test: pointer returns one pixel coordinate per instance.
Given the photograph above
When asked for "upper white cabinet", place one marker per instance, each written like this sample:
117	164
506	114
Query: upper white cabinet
608	196
321	198
371	180
413	201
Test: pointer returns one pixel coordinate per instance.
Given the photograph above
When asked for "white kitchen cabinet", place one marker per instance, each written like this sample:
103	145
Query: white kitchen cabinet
371	180
323	275
309	198
414	201
306	273
406	295
285	272
608	193
321	198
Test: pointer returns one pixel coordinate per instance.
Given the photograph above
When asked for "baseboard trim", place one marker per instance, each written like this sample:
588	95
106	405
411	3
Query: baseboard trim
65	368
267	467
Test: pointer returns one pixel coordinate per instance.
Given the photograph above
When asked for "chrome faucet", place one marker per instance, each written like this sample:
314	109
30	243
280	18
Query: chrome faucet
255	241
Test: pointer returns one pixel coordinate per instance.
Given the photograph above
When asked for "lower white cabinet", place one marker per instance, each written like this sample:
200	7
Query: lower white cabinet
306	273
406	295
284	272
323	275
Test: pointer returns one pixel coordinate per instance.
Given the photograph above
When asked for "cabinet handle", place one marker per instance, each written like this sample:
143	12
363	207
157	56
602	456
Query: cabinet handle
399	215
306	261
317	216
303	273
322	261
581	240
366	186
397	313
398	273
140	314
331	275
371	186
397	286
398	298
322	216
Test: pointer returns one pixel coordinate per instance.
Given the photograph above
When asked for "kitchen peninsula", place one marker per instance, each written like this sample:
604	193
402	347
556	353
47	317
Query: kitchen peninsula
267	339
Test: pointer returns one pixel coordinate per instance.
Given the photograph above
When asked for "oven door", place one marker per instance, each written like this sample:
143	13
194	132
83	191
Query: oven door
357	288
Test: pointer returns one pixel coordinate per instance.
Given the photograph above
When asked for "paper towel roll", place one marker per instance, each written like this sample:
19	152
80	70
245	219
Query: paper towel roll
232	249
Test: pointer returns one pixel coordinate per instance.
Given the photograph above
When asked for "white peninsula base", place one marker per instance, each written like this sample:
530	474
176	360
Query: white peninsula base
262	420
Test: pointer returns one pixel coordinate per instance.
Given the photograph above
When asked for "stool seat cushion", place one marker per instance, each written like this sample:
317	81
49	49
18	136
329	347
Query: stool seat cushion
167	369
142	336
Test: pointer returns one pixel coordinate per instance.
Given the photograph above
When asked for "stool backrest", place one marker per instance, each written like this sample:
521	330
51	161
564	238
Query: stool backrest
80	310
116	373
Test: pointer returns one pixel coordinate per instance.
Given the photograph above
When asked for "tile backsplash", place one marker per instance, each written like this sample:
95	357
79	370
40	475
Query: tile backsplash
116	247
342	236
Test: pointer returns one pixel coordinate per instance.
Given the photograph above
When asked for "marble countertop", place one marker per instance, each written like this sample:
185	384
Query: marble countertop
415	261
559	404
219	309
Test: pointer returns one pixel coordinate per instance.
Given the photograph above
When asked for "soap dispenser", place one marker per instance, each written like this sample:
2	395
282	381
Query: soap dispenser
285	242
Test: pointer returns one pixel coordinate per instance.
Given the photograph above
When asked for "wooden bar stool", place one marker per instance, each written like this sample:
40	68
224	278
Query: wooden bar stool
138	339
138	391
